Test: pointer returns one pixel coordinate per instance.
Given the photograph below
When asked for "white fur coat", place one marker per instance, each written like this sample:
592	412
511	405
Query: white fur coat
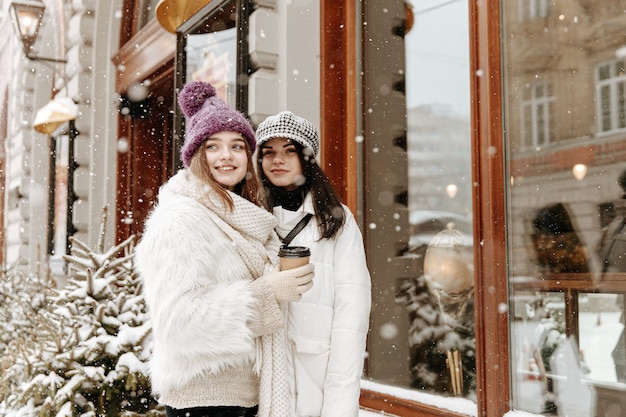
198	285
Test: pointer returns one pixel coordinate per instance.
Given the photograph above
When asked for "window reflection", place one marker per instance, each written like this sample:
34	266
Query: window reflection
610	94
565	138
439	298
601	324
146	12
211	52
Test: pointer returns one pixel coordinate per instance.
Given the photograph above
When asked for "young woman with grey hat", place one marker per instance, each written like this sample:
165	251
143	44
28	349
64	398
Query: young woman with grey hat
327	328
208	260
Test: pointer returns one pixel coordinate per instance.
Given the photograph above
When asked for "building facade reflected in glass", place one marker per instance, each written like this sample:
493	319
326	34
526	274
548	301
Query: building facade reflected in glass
565	143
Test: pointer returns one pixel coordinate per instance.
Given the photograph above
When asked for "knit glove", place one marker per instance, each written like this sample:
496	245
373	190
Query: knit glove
290	284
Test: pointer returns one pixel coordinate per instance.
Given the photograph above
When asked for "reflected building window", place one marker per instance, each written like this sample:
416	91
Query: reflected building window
537	115
567	285
534	9
611	96
146	12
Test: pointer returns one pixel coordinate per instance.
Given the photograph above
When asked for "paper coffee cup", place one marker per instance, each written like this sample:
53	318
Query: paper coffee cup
293	256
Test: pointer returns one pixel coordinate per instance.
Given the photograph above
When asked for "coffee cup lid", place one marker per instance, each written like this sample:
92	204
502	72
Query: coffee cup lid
294	252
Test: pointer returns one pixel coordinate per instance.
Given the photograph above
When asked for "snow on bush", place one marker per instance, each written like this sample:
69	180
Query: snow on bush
81	350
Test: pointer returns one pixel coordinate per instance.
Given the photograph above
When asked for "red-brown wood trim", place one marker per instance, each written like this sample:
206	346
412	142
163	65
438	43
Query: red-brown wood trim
129	20
350	77
571	314
136	173
605	282
401	407
492	361
123	204
334	63
150	49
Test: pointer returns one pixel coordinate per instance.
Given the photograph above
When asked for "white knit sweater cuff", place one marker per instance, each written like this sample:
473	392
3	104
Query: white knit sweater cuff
269	318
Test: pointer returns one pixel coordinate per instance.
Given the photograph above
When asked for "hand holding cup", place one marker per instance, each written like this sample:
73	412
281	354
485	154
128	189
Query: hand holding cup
293	256
290	284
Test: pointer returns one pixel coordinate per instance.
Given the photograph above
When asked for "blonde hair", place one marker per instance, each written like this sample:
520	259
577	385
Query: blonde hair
249	188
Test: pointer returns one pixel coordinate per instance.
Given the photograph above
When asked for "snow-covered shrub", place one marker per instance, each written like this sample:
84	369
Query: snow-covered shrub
23	302
86	346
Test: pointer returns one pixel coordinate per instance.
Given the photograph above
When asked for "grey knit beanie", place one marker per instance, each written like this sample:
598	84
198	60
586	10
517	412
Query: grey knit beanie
287	125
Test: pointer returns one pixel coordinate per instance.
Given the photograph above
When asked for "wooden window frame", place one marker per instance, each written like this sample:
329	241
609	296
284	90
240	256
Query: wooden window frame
338	101
339	115
154	61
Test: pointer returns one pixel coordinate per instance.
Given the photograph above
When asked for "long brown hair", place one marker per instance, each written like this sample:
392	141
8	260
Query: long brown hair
326	201
249	188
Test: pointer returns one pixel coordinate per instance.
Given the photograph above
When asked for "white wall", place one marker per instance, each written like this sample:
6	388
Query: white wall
289	80
94	32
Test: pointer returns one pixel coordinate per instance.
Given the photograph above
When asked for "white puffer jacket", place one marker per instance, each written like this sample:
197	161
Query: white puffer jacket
328	327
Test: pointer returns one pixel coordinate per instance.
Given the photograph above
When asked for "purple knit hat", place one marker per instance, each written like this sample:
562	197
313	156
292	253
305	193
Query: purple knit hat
206	114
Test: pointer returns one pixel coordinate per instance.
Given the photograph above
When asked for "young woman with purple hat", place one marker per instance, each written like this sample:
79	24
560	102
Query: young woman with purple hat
327	327
208	260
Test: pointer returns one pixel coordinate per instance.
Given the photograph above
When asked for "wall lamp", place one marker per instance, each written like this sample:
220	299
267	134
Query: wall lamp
27	16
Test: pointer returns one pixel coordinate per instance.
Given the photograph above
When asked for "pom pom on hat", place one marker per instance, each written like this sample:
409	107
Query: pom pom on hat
206	114
287	125
193	95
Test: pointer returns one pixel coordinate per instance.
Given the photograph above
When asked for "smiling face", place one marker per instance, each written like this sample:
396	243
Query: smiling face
226	156
281	163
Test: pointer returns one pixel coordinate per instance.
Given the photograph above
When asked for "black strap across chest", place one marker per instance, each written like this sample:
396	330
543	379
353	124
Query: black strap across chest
303	222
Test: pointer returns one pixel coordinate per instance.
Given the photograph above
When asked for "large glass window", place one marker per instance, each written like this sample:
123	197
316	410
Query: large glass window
212	48
435	297
566	204
146	12
212	57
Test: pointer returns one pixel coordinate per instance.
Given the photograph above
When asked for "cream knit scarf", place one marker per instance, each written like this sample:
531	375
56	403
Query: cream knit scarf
251	229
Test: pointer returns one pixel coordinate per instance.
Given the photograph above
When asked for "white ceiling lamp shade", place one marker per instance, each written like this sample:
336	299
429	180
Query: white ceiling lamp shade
51	116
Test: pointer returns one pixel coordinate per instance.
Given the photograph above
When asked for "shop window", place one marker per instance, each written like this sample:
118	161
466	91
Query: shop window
611	96
211	47
537	115
423	333
211	56
438	299
565	213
